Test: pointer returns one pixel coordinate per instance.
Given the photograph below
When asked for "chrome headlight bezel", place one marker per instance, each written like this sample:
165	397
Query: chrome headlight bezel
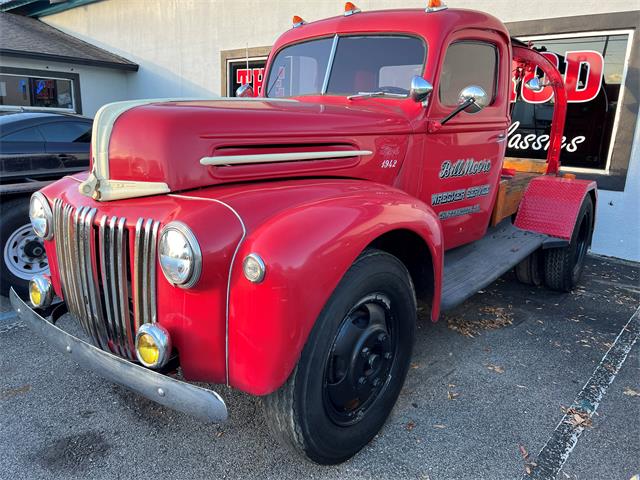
195	268
161	339
44	287
47	216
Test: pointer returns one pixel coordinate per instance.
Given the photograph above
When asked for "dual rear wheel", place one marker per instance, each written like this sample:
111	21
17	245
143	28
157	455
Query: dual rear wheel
561	268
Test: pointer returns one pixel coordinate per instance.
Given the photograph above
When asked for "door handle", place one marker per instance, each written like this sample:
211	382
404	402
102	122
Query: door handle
501	137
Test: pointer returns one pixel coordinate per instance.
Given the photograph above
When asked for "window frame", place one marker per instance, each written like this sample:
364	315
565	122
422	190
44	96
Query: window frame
496	69
624	139
3	138
620	101
59	123
49	75
336	37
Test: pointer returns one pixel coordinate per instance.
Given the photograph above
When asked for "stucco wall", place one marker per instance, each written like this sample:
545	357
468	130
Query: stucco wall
97	85
177	44
617	231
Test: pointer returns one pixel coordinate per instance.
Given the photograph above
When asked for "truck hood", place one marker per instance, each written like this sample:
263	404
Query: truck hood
151	147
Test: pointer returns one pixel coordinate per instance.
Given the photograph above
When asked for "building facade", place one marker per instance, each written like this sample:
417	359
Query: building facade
204	48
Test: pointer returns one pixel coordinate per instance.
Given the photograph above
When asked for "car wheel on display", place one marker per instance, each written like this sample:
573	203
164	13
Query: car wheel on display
353	365
23	252
563	266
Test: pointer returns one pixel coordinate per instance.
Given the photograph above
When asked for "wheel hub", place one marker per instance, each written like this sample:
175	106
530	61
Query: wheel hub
24	254
360	361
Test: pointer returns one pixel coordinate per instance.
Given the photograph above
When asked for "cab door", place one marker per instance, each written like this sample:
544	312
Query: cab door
463	158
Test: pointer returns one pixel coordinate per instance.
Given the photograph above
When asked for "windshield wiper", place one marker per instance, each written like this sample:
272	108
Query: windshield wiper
375	94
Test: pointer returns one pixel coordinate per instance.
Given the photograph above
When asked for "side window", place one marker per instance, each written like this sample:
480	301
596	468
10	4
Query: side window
468	63
25	135
67	132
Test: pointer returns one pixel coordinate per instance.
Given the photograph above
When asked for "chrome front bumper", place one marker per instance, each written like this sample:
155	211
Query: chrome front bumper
196	401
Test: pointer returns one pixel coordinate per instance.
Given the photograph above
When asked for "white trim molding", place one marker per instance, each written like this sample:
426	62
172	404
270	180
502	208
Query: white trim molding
280	157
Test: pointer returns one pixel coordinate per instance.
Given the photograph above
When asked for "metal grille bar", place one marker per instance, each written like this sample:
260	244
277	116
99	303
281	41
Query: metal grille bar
110	297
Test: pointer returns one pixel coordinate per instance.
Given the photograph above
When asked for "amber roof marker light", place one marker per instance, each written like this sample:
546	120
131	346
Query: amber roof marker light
297	21
435	6
350	9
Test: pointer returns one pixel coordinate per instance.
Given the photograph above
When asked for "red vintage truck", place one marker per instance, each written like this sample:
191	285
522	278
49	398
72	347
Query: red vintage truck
278	245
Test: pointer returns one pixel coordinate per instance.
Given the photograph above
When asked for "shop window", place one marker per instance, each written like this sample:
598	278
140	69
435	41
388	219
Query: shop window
34	91
468	63
593	66
242	71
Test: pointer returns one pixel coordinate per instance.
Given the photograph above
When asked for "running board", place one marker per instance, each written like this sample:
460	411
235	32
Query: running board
472	267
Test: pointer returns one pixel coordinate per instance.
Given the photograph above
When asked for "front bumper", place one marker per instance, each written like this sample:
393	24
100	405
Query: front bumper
196	401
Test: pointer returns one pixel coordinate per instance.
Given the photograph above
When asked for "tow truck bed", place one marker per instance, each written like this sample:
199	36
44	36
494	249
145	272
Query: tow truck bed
472	267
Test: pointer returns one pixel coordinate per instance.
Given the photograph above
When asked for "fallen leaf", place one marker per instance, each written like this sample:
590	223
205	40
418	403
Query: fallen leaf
495	368
490	318
14	392
631	392
578	418
410	426
451	395
523	452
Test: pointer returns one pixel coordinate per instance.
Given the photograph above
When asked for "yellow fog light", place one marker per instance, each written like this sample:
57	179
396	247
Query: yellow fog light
153	345
40	291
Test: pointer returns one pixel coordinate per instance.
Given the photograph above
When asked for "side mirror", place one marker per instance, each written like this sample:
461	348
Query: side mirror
535	85
245	90
474	97
420	89
471	99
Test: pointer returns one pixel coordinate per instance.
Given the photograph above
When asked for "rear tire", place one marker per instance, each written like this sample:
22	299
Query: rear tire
563	266
530	270
353	365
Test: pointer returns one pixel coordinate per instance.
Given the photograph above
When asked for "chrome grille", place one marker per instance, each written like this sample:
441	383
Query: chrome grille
110	291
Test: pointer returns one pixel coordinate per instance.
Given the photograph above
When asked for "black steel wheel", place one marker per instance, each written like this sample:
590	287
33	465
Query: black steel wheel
353	365
563	266
360	360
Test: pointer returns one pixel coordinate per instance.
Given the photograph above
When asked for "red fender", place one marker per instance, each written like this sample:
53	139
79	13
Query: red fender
307	249
550	205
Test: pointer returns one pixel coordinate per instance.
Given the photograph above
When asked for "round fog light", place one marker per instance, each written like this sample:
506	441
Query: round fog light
153	345
40	291
254	268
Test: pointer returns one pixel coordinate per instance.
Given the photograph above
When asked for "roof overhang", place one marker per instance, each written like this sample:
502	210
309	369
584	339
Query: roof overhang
40	8
130	67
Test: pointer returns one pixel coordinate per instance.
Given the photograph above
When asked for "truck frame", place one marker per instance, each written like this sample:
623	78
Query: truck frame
279	244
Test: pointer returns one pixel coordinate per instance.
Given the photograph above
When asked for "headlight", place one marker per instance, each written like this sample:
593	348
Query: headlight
153	345
41	216
179	255
40	291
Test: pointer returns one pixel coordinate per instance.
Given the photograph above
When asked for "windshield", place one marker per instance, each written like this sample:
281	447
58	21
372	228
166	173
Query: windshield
360	64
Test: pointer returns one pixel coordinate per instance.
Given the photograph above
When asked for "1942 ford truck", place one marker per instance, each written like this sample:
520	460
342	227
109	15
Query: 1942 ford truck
279	244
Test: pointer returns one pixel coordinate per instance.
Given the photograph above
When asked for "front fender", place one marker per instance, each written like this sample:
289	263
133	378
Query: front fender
307	248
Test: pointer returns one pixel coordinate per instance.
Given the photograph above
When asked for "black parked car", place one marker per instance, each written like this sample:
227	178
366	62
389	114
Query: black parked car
36	148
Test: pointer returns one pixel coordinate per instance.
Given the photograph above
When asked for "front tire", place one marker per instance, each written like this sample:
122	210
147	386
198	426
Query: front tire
353	365
563	266
22	250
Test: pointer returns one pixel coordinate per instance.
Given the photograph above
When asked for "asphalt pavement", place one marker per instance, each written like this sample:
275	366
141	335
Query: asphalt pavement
488	386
